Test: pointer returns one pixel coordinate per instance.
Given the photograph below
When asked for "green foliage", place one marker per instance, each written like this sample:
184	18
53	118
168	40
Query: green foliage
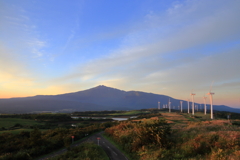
224	115
148	115
39	117
237	123
28	145
85	151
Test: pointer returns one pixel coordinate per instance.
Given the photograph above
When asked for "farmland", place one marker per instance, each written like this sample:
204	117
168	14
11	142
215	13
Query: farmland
11	122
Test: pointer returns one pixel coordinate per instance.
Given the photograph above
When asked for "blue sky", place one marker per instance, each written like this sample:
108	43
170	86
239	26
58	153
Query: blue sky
164	47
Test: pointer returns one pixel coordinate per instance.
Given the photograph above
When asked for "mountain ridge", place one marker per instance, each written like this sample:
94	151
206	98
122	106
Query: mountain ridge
97	98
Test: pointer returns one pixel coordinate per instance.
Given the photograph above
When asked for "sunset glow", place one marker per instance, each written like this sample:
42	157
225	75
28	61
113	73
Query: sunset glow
163	47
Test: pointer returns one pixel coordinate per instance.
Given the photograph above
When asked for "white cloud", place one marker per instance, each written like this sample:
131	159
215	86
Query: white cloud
191	36
187	46
186	56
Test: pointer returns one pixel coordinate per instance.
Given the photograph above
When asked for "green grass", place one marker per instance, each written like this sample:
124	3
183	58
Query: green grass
199	116
10	122
16	131
86	150
75	142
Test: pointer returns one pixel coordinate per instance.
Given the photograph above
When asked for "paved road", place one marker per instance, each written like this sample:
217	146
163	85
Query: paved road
112	152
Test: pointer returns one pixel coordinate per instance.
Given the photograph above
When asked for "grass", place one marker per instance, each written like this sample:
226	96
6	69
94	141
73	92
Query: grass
16	131
75	142
193	137
86	151
10	122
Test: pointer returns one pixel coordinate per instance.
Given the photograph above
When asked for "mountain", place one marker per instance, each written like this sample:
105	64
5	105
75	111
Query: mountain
97	98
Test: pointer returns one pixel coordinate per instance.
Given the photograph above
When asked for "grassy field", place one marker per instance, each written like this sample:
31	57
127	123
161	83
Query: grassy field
10	122
16	131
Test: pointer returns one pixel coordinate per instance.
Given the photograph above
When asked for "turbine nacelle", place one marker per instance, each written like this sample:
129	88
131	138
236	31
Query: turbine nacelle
210	93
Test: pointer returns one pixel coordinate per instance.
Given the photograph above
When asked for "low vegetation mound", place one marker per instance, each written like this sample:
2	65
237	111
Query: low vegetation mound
85	151
182	139
140	138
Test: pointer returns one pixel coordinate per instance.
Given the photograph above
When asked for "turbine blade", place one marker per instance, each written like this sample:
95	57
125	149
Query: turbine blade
211	87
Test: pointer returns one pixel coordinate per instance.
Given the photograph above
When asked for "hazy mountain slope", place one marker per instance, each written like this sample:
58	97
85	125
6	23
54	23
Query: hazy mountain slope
42	104
97	98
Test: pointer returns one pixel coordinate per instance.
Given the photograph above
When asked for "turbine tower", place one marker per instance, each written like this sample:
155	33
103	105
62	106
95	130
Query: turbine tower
181	105
192	94
196	107
158	105
205	106
211	100
188	105
169	105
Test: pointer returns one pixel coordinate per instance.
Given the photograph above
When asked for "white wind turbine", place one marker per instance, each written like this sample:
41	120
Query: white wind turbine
196	107
211	100
158	105
169	105
181	105
192	94
205	106
188	105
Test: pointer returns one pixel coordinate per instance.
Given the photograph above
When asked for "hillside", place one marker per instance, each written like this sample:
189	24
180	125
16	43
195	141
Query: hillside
97	98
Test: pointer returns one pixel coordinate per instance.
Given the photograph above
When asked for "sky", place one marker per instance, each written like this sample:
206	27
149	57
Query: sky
173	48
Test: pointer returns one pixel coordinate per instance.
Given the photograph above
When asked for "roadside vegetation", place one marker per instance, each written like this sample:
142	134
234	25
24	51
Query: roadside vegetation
29	145
27	139
141	138
85	151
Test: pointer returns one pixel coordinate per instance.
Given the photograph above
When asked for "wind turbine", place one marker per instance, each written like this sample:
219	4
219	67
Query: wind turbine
158	105
181	105
205	106
169	105
196	106
192	94
211	100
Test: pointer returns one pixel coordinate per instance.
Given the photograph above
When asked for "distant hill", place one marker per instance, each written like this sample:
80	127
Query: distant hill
97	98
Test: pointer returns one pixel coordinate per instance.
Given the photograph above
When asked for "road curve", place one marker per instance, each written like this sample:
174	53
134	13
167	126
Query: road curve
112	152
